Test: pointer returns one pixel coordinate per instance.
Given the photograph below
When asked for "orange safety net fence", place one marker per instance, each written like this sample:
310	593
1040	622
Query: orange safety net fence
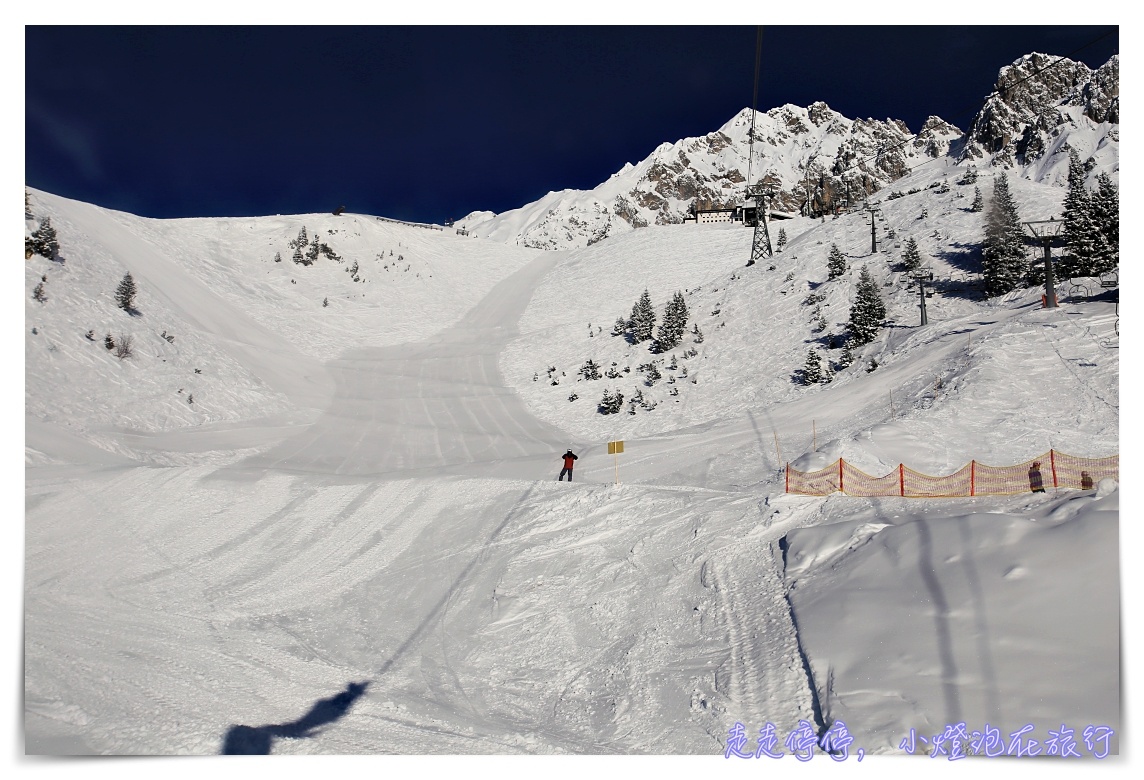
1051	470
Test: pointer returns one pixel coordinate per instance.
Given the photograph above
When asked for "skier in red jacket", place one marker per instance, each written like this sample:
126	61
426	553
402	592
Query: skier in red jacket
569	459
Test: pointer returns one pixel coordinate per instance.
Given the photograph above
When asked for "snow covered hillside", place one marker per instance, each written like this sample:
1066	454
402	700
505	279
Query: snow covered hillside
314	507
1040	107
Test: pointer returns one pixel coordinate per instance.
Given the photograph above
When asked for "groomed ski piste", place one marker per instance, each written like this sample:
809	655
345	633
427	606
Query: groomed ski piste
352	540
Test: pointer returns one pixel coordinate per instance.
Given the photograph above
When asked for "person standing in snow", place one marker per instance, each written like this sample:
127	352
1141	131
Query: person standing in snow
1036	484
569	459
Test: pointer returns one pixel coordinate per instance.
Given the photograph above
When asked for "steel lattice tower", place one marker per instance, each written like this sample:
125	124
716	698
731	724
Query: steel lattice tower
761	242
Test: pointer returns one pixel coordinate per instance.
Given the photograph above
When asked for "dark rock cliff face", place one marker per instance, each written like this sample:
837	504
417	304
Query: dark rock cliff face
1029	105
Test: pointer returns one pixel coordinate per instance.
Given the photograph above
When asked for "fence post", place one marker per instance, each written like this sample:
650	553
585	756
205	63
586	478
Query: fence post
840	488
788	478
1053	463
972	477
902	479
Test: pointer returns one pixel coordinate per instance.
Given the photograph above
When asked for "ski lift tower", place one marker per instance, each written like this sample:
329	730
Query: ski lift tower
761	242
923	278
1048	232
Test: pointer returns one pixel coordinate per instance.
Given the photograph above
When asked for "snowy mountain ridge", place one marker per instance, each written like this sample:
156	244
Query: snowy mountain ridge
1033	116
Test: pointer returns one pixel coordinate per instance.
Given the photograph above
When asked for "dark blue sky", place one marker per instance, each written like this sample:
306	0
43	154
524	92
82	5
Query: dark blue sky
427	123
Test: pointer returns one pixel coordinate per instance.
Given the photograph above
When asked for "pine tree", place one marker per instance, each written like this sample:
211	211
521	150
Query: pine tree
611	402
1003	265
1106	212
674	324
978	200
303	239
1081	231
125	294
642	322
39	294
836	263
867	311
781	240
312	252
278	257
847	358
297	258
911	257
590	370
812	369
44	241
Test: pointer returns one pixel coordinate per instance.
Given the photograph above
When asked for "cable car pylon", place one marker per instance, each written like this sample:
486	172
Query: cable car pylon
761	241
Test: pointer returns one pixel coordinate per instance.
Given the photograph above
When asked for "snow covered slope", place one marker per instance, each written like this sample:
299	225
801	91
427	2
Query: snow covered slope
222	331
352	541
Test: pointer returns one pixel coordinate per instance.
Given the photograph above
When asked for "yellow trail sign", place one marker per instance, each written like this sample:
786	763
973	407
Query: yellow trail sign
614	449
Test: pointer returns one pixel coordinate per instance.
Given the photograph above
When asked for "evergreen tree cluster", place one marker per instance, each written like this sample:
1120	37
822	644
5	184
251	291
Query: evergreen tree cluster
1092	224
1004	265
867	311
611	403
43	241
306	252
590	370
835	263
674	324
816	370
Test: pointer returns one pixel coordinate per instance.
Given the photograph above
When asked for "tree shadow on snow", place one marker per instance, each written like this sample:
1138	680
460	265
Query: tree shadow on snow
258	740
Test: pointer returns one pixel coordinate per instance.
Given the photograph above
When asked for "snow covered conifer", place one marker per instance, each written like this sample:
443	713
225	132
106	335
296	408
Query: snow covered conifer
812	369
836	263
620	326
1106	214
611	402
847	358
297	258
39	294
590	370
911	257
781	240
125	294
1003	265
1080	230
642	321
867	311
674	324
312	252
278	257
978	200
44	241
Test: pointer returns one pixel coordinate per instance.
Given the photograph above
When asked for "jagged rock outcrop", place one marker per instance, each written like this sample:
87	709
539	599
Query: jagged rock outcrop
1035	101
815	160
